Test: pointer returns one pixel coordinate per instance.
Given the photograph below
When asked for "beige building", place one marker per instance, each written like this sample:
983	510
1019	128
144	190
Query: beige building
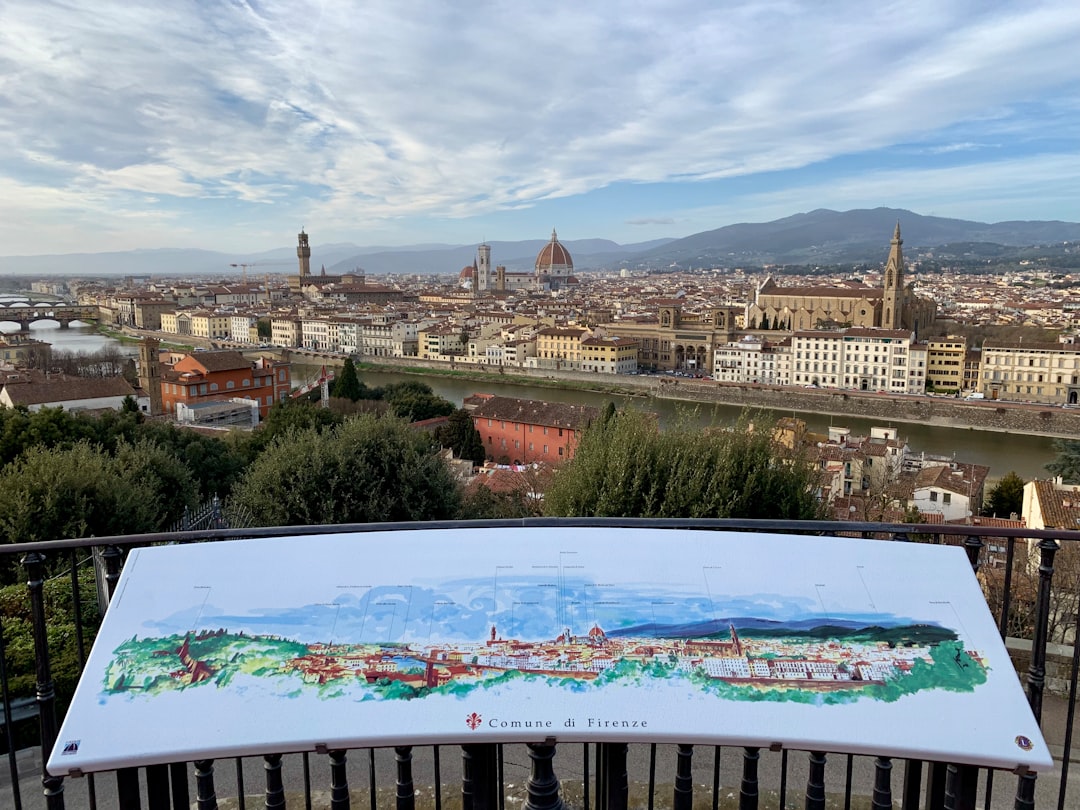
678	341
945	363
609	355
285	331
859	359
560	348
1032	372
210	325
894	305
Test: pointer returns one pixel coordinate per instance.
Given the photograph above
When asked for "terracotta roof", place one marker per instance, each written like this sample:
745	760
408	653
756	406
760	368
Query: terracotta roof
60	388
963	479
552	255
535	412
1060	508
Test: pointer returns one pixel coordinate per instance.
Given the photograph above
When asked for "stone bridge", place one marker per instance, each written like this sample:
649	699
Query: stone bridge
64	314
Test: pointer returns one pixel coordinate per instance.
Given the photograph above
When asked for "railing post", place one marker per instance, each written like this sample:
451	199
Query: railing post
815	782
46	693
275	786
1025	784
479	777
178	780
339	781
748	787
205	793
961	787
973	545
543	786
684	782
616	785
114	559
882	797
406	793
912	789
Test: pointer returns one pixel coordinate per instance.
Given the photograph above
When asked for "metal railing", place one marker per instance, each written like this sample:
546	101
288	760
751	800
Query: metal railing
602	775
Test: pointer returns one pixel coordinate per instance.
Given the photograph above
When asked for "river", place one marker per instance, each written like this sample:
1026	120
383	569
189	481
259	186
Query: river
1001	452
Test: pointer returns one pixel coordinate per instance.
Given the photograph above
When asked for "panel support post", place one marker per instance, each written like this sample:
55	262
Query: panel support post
615	782
480	776
815	782
339	782
882	798
961	787
205	793
684	782
748	787
275	785
53	786
406	794
543	785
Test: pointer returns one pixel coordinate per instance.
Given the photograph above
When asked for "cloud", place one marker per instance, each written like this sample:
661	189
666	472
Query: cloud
379	113
651	221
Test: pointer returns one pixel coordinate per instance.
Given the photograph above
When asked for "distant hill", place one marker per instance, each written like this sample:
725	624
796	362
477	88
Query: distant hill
822	236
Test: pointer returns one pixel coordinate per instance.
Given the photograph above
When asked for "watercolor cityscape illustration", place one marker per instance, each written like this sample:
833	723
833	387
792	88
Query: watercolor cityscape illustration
409	642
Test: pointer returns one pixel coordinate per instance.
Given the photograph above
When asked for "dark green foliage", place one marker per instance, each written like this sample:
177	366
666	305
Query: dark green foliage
460	435
1067	461
347	385
481	503
415	401
364	470
625	467
1006	497
286	417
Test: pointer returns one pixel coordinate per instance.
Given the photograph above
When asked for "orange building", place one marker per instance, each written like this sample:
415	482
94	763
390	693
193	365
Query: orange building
522	431
222	375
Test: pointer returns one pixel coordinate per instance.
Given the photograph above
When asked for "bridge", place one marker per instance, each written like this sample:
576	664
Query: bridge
64	314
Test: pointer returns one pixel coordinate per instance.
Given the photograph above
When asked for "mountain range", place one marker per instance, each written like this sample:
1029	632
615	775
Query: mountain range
821	236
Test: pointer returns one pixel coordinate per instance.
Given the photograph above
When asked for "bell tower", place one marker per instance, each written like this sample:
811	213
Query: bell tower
892	310
150	373
303	253
485	266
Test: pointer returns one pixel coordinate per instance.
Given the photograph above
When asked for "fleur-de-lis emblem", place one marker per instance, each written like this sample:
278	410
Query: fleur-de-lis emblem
473	720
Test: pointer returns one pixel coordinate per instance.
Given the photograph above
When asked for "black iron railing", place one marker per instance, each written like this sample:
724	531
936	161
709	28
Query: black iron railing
602	775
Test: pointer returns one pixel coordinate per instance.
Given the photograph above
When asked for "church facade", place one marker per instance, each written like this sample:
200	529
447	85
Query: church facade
894	305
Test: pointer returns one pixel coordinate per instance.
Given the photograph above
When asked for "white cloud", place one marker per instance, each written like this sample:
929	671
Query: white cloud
382	111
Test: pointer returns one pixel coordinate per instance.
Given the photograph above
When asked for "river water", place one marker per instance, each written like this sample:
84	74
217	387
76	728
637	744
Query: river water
1001	452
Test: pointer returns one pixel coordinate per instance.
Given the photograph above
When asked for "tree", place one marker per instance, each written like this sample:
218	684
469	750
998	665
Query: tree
625	467
367	469
1006	497
415	401
460	435
1067	461
347	385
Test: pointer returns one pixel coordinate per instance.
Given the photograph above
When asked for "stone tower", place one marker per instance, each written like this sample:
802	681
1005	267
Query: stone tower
892	310
485	266
303	253
150	373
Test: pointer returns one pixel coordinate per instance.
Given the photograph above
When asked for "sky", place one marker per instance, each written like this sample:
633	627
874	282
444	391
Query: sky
230	124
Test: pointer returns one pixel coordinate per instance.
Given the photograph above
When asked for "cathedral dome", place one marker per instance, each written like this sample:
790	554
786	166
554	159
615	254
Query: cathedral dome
554	259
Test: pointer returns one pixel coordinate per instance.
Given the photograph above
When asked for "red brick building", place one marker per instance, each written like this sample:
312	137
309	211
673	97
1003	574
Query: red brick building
223	375
522	431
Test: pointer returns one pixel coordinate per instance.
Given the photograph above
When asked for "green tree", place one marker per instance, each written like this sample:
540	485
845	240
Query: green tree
460	435
1006	497
625	467
1066	462
347	385
415	401
366	469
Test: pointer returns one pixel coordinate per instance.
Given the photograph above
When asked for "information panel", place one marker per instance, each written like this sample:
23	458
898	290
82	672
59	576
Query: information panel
527	634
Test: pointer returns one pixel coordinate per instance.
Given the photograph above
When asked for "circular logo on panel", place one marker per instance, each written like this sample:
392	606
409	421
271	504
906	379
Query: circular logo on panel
1025	743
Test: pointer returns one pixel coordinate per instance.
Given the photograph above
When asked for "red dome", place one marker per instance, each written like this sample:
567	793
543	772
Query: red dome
554	258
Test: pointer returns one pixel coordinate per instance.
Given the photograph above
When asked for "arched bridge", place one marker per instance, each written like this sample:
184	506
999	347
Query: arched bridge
64	314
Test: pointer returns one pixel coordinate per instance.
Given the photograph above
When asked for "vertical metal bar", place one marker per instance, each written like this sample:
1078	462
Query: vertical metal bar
1071	708
157	787
372	792
181	800
9	734
339	781
652	775
406	795
616	793
585	776
601	775
1006	599
684	782
716	777
114	558
912	790
127	789
783	778
500	767
961	787
935	786
847	781
815	782
53	786
748	787
275	785
987	798
240	792
882	797
205	794
480	782
543	786
438	777
307	780
1025	785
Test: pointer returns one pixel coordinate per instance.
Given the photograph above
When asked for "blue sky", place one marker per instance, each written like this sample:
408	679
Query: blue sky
227	125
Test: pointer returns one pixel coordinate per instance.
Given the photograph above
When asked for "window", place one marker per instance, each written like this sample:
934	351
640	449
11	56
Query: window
230	384
246	383
213	386
933	495
946	497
